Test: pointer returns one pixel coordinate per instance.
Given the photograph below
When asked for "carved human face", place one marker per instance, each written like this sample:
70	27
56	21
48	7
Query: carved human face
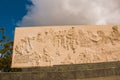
100	33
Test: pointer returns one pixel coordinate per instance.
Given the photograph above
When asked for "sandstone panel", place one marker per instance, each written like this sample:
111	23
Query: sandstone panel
61	45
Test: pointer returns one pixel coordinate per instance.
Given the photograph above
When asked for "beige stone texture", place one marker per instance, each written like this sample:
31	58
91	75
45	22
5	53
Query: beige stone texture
59	45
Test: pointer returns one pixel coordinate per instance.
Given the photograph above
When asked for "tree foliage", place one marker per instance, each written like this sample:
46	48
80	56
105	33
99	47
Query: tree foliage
6	49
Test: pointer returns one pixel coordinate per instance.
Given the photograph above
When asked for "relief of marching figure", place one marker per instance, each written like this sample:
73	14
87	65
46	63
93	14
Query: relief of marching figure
71	39
23	50
66	39
24	46
115	34
84	40
46	57
39	37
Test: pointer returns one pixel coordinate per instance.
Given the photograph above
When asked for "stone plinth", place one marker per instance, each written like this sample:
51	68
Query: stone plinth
92	71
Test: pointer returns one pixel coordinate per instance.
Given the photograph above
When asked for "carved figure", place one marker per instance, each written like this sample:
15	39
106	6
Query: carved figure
18	50
83	39
45	56
68	60
47	37
115	34
71	39
35	58
93	37
103	38
24	46
39	37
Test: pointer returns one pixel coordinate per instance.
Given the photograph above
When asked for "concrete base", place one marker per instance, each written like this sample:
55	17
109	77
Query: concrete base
98	71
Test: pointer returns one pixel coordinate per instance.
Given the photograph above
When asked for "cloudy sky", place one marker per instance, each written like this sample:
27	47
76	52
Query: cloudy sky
57	12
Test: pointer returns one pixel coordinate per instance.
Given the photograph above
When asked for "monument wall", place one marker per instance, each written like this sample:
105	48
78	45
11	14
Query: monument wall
61	45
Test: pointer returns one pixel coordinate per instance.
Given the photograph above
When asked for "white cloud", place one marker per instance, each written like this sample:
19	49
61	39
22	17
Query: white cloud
70	12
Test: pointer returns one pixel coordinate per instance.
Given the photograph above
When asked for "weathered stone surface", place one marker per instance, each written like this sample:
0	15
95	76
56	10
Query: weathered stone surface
25	76
38	75
17	76
69	75
60	45
103	78
5	76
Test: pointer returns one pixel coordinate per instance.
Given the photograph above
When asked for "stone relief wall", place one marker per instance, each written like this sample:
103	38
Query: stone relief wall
48	46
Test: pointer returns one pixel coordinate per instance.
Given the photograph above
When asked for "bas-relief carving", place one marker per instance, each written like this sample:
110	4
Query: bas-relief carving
73	45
